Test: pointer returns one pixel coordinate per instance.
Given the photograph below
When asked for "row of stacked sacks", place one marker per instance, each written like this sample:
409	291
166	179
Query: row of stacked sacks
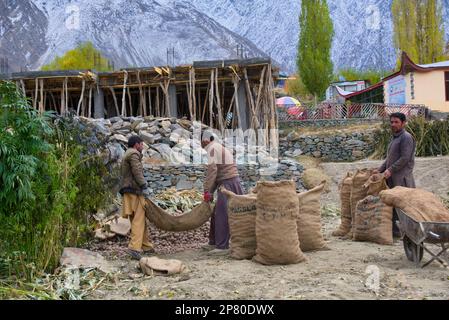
367	206
274	225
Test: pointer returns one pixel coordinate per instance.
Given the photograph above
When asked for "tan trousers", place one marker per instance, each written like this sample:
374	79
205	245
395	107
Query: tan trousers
133	208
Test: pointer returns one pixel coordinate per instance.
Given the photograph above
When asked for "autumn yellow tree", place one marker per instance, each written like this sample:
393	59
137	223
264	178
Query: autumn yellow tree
83	57
419	29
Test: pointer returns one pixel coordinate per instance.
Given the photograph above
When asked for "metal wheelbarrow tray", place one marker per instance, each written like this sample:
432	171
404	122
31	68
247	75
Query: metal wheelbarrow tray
416	234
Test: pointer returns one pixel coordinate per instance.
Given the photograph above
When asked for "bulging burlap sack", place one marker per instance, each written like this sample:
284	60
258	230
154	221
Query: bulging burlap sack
345	199
313	178
421	205
276	229
155	266
309	220
242	212
373	221
189	221
358	193
376	184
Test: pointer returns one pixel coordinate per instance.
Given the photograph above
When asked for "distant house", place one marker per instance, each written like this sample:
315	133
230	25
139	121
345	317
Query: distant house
413	84
337	90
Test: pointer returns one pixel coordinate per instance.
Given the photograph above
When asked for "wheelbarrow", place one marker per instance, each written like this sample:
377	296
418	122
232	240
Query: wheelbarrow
416	235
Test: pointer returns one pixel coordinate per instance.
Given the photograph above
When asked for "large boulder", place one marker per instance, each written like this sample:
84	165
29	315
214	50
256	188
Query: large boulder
147	137
83	259
164	150
119	137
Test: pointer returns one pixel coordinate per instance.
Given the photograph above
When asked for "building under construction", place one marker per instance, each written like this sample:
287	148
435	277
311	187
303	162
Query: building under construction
227	94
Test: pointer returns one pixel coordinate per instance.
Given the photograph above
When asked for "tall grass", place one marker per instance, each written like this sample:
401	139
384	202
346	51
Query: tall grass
51	183
432	138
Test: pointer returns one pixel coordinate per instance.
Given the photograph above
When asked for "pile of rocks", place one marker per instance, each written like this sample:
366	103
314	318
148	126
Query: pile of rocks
166	140
340	146
171	144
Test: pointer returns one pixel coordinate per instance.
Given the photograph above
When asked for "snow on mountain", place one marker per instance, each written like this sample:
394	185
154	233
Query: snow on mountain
138	32
22	33
274	27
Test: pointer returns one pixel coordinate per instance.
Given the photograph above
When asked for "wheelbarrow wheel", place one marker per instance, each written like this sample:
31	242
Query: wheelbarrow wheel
413	251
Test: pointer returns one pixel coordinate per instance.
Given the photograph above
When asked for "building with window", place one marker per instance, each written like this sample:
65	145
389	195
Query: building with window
426	84
337	90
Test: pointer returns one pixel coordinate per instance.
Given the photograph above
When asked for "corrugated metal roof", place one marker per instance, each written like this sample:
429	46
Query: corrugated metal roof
441	64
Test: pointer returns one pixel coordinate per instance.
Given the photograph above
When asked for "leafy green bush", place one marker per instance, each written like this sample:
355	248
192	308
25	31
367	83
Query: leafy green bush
51	182
432	138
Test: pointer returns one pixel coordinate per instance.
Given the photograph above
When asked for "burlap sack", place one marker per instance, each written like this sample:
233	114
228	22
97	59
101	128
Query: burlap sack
345	200
421	205
276	229
309	220
192	220
374	221
313	178
242	212
155	266
376	183
358	193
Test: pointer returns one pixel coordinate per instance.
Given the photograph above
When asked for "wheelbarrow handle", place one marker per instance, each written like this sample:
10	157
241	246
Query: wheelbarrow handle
433	234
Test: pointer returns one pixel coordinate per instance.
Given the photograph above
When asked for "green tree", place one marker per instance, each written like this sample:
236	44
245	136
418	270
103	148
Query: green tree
434	31
83	57
315	43
296	88
419	30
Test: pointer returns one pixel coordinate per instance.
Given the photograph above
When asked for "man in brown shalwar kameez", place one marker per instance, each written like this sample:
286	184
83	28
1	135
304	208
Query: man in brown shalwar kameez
221	171
134	190
400	162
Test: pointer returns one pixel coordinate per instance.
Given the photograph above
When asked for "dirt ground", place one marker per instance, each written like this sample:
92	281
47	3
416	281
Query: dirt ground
348	271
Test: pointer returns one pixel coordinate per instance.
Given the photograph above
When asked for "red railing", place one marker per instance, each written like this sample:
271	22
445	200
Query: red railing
370	111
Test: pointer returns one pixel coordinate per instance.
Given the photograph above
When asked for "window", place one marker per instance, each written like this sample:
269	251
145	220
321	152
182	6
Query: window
446	78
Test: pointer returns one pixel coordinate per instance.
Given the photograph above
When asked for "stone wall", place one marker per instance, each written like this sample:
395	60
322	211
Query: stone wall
326	123
185	177
337	146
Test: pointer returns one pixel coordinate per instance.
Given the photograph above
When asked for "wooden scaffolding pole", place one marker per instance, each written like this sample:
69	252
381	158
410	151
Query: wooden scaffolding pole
142	100
236	82
81	98
150	103
130	102
124	94
90	102
115	101
219	109
165	86
36	94
66	108
205	102
211	98
254	122
158	110
42	101
22	83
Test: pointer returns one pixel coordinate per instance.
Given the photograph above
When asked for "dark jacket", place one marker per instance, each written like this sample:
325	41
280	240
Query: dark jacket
401	160
133	180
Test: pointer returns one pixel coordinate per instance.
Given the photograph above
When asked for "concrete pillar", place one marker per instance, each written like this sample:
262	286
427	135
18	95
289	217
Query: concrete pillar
244	108
173	101
99	103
